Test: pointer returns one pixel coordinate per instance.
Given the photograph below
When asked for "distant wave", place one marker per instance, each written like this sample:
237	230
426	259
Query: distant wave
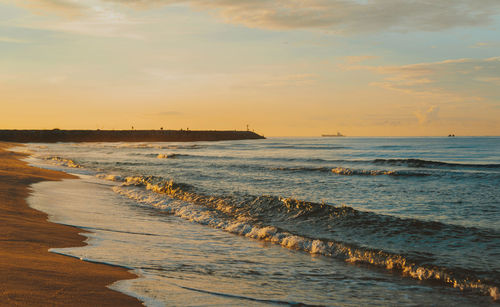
361	172
170	156
309	147
429	163
152	145
394	146
302	169
261	158
414	163
352	172
349	172
321	229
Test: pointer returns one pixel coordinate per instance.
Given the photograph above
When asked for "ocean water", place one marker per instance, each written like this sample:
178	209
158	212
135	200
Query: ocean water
313	221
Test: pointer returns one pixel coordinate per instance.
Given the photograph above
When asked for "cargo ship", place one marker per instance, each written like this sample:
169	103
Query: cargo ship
333	135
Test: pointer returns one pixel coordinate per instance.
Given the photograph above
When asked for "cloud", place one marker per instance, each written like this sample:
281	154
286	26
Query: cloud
239	80
428	116
340	16
458	79
90	17
4	39
356	59
68	8
345	15
290	80
493	80
480	44
56	79
485	45
273	81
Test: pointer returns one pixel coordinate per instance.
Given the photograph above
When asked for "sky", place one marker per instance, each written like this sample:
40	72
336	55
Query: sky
283	67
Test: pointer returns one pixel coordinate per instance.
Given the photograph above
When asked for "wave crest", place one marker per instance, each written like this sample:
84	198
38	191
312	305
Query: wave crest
170	156
417	163
63	162
350	172
272	219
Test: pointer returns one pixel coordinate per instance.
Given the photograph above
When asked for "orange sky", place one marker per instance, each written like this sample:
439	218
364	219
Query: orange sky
286	68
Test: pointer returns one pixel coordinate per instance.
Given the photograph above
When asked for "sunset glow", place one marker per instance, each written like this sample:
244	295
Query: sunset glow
285	68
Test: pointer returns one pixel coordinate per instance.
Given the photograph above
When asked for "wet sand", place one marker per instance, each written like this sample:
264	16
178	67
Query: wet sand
29	274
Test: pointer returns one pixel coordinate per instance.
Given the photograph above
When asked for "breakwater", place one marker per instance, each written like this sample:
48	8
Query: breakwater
56	135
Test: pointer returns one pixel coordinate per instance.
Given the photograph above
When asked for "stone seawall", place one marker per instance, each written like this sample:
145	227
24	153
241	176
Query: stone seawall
56	135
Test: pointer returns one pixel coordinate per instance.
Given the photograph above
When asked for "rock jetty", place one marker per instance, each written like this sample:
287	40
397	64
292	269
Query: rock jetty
57	135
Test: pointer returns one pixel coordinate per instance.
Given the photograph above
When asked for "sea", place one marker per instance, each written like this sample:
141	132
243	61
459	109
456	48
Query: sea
331	221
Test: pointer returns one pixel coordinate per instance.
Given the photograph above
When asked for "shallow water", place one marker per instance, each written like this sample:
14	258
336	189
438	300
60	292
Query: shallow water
364	221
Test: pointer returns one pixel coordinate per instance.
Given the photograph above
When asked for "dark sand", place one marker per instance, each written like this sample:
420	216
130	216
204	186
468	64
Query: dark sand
29	274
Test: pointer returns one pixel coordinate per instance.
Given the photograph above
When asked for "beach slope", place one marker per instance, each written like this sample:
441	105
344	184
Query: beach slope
29	274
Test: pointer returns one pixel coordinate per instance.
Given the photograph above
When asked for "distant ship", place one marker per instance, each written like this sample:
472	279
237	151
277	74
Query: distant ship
332	135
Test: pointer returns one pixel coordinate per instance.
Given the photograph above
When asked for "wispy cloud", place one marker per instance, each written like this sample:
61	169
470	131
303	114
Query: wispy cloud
480	45
485	45
91	17
346	16
273	81
356	59
56	79
492	80
428	116
68	8
232	80
293	80
458	79
4	39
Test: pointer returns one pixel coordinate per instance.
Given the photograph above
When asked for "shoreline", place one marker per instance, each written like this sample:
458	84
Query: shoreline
29	273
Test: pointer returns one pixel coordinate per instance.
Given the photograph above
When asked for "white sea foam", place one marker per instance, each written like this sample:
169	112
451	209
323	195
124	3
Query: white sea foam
157	146
63	162
168	156
348	171
208	216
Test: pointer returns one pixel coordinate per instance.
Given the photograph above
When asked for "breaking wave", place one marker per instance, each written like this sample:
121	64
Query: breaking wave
361	172
348	171
154	145
352	172
64	162
335	231
170	156
310	147
160	146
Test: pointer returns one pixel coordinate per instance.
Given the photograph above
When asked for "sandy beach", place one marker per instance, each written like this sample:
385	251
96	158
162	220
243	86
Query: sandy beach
29	274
